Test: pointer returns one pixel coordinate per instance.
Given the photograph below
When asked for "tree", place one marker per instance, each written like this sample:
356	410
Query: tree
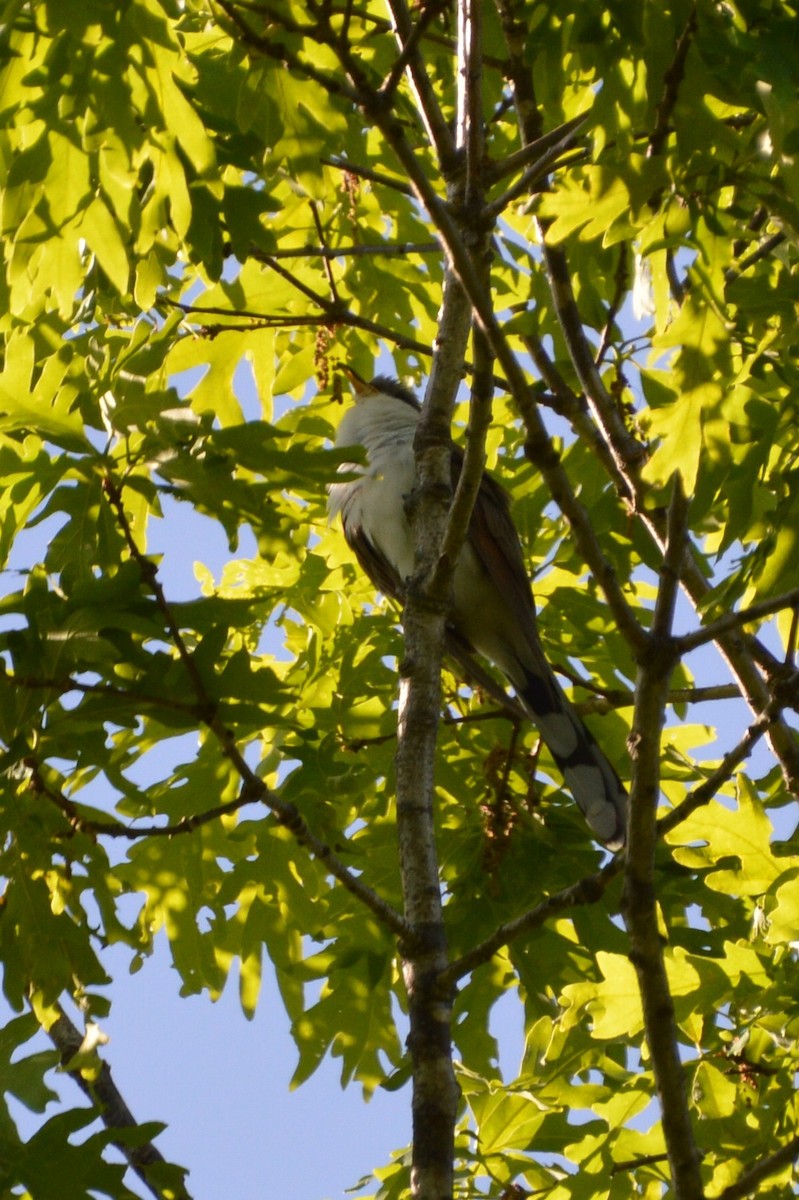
586	212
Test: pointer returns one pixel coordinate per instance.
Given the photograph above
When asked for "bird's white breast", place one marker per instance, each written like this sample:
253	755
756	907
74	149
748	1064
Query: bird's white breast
384	426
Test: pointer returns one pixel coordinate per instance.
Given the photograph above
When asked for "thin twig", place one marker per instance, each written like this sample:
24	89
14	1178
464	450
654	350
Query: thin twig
356	250
793	633
535	175
117	829
334	85
621	279
206	708
612	698
762	251
320	233
68	684
409	56
705	791
531	154
643	1160
734	620
218	310
329	316
624	447
390	181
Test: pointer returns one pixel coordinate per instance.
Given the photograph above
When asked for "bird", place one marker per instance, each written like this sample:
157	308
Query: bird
492	610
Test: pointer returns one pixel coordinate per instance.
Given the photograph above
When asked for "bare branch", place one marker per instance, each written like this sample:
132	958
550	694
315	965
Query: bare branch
515	28
330	316
705	791
531	154
472	467
353	250
409	32
320	233
114	1112
274	49
389	181
632	1164
149	574
734	620
435	1091
626	449
589	890
541	451
117	829
611	698
469	133
621	279
63	686
534	175
793	633
757	255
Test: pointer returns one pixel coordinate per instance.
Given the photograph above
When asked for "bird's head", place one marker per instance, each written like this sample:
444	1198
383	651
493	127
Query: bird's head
381	385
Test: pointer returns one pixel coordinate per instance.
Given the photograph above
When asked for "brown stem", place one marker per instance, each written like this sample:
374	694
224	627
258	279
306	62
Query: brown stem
640	896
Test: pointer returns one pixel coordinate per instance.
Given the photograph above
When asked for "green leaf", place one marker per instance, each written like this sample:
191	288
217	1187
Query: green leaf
101	232
713	1093
744	834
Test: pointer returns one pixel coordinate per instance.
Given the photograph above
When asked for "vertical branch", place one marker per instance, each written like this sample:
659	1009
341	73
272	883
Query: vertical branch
469	131
640	904
425	954
424	951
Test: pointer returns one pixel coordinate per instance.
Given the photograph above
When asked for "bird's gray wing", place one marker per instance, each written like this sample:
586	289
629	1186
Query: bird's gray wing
381	572
494	539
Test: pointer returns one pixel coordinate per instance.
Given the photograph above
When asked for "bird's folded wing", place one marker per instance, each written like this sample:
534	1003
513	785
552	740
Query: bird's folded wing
494	539
377	567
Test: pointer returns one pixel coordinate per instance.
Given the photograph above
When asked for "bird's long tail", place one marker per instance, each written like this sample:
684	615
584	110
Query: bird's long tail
591	779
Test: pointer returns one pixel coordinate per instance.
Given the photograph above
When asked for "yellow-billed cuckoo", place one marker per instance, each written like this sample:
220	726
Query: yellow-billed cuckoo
492	610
